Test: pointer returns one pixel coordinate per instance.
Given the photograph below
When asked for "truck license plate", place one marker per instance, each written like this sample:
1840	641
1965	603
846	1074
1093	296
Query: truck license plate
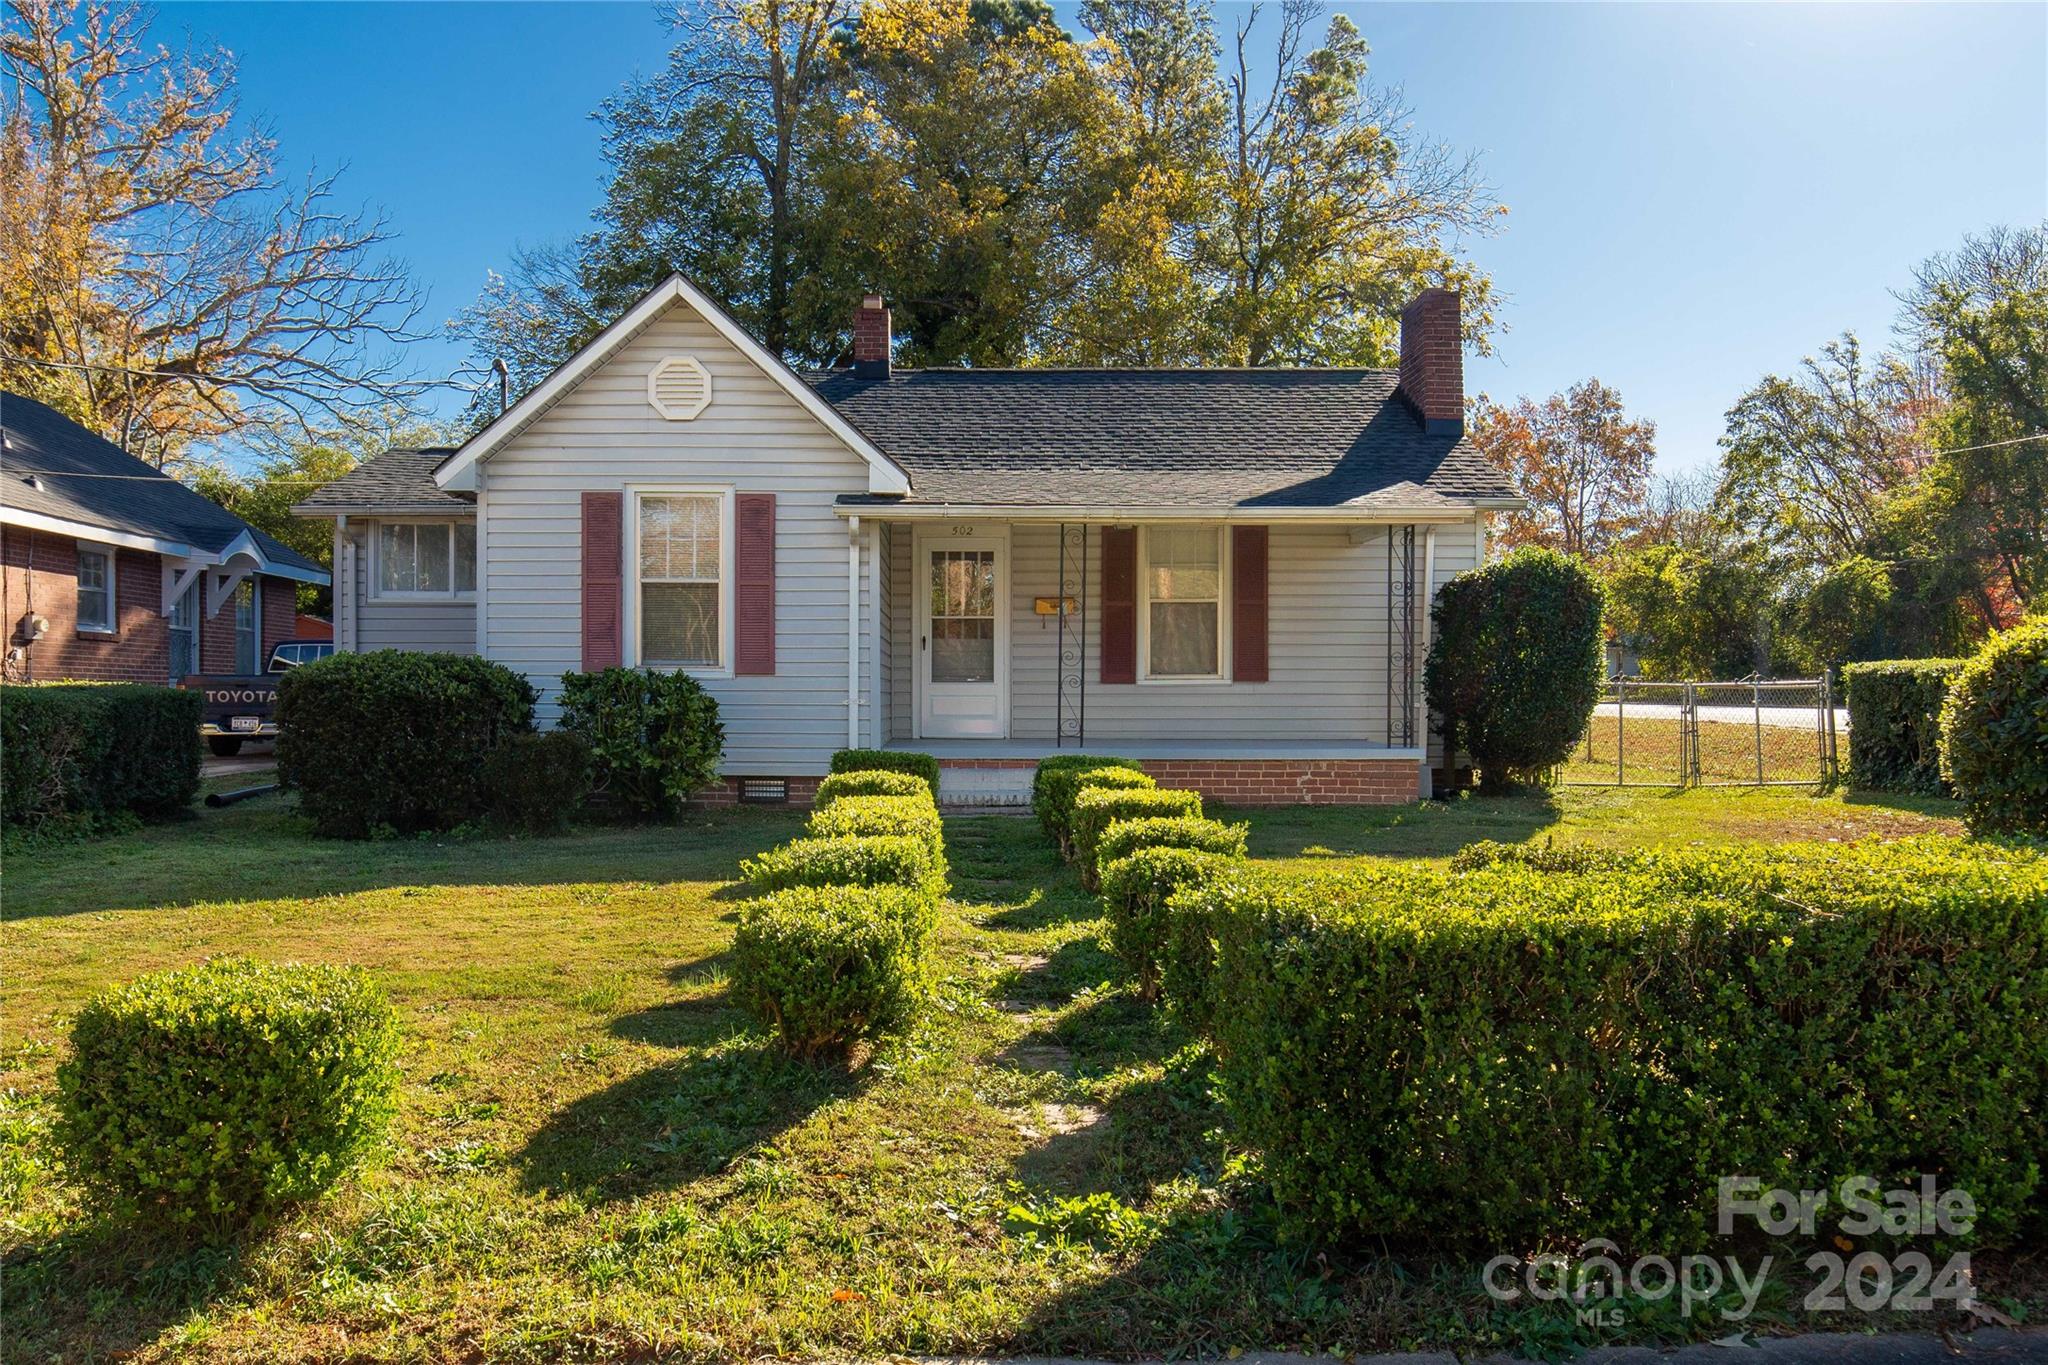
245	722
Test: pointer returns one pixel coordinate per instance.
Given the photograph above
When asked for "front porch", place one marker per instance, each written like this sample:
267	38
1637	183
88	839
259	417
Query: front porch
1262	662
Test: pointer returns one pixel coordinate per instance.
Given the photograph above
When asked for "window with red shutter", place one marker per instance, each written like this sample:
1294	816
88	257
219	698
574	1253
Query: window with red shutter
1119	644
754	584
603	522
1248	612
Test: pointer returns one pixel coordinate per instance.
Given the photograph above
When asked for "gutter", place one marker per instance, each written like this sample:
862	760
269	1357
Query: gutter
1378	514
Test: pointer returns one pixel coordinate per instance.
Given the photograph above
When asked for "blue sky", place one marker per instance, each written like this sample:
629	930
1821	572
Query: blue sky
1698	194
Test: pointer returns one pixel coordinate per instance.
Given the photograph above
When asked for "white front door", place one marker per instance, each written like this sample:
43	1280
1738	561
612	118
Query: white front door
963	632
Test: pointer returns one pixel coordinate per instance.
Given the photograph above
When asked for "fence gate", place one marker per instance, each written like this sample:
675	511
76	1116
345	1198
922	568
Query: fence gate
1750	733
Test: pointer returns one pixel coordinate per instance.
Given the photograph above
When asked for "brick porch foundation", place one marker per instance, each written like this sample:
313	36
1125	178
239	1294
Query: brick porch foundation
1268	781
802	791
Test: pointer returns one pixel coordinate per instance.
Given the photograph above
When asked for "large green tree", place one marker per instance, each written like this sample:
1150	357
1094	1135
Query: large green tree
1981	313
1020	195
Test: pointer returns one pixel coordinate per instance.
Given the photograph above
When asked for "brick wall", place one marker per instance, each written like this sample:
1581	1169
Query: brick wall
1270	781
40	573
279	607
1294	781
802	791
280	616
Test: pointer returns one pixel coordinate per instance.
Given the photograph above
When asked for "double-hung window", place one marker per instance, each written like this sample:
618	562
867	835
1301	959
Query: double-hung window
681	544
426	559
1182	611
95	589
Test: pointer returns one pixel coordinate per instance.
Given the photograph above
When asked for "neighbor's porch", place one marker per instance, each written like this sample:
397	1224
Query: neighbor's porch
1275	661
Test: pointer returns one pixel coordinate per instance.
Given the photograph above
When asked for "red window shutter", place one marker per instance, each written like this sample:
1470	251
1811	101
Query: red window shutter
1248	613
1119	605
753	595
603	590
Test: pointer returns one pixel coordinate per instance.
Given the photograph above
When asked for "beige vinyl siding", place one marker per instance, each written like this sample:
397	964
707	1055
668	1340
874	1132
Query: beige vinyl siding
753	438
388	623
1327	606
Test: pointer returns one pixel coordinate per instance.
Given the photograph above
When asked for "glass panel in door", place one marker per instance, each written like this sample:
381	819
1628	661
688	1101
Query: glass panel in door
245	627
963	619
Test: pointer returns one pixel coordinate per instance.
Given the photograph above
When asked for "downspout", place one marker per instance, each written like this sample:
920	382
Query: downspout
1422	651
344	586
482	561
853	632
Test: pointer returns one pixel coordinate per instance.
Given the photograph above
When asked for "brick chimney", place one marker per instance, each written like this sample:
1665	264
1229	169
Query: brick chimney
1433	361
871	338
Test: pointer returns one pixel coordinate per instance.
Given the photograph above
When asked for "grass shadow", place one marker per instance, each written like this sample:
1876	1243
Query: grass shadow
263	850
1424	829
1910	803
107	1289
676	1122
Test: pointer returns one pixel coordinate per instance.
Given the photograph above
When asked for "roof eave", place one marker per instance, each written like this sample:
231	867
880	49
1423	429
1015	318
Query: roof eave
1378	514
384	509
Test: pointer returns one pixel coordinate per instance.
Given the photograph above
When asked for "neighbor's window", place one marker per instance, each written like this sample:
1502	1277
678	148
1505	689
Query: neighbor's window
1183	601
245	627
95	589
426	558
680	545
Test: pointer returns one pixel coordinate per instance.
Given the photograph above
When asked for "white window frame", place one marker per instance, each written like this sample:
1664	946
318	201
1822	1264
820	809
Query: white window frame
113	558
1223	584
378	593
632	500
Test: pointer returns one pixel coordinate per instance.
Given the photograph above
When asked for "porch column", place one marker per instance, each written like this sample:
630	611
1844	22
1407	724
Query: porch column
853	632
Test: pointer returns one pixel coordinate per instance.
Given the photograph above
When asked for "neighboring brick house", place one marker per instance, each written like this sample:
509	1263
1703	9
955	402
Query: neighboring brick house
115	572
1225	575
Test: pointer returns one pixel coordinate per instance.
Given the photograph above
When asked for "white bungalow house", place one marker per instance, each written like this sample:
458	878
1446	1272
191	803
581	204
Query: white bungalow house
1223	573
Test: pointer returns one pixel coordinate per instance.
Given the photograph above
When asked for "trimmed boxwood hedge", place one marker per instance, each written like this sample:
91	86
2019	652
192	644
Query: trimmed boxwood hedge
828	966
211	1094
90	750
1125	837
871	782
394	739
915	816
1097	808
848	860
889	761
1994	733
1508	1057
1054	782
1136	890
1895	723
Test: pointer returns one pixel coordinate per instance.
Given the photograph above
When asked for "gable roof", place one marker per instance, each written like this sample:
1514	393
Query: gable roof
458	470
398	482
1269	439
57	476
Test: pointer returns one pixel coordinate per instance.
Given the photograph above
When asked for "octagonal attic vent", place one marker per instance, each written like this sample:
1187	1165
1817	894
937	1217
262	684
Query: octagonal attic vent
679	388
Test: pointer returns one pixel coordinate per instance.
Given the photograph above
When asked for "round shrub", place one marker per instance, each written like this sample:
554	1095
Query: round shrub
536	782
871	782
211	1094
827	966
889	761
655	735
1994	733
1054	782
1516	660
1136	889
395	739
1097	808
847	860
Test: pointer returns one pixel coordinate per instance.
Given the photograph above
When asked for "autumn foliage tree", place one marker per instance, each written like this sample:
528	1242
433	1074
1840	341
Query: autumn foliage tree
160	280
1580	460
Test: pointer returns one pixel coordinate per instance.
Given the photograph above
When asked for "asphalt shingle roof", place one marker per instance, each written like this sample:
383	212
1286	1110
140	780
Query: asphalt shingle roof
1168	438
86	478
399	480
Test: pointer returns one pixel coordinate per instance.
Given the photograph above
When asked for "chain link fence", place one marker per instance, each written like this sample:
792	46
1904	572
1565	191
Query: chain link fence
1750	733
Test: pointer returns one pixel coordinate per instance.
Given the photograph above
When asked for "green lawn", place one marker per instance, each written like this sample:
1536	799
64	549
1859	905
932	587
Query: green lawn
597	1156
